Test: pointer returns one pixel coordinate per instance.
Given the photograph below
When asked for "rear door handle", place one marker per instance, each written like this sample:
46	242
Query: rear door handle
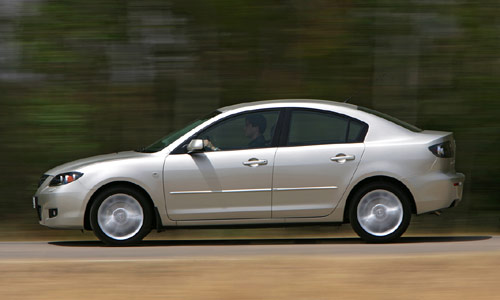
342	158
254	162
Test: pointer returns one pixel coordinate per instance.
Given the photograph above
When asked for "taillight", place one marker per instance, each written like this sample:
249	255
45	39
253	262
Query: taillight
443	150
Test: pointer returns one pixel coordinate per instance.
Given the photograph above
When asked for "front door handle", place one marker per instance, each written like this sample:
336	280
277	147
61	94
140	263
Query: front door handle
342	158
255	162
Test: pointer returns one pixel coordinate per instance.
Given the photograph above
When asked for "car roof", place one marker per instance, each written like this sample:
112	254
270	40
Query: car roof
381	129
287	102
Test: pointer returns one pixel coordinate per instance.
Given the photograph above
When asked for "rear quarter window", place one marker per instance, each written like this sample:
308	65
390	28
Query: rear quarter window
357	131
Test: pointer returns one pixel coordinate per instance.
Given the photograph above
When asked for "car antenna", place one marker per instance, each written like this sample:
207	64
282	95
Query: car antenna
357	92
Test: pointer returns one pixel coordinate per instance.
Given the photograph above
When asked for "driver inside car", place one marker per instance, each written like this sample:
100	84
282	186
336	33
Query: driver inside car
255	126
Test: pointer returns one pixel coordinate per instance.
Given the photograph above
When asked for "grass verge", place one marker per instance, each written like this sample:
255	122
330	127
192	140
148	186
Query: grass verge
457	276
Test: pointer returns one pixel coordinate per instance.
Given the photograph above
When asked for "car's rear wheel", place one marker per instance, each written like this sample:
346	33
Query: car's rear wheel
121	216
380	212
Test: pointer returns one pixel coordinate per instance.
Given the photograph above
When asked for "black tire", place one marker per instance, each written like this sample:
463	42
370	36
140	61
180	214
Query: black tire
380	212
121	216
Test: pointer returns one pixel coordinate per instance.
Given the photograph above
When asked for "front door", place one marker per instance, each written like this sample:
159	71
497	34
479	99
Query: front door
231	178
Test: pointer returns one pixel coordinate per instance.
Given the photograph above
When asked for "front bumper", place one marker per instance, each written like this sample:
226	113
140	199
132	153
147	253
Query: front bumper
62	206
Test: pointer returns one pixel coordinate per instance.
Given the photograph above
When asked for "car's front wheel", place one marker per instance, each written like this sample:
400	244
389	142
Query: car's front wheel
380	212
121	216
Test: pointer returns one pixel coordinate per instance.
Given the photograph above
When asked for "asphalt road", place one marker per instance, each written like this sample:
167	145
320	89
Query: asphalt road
198	249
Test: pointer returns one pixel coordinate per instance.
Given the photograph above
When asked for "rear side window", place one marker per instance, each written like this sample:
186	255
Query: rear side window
314	127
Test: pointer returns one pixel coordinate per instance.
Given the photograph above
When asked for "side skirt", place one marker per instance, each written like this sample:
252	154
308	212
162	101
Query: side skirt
249	226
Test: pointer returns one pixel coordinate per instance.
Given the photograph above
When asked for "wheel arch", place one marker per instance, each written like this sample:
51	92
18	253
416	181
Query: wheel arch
378	178
86	219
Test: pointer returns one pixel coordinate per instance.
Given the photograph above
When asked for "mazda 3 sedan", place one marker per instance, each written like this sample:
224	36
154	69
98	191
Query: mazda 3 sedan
267	162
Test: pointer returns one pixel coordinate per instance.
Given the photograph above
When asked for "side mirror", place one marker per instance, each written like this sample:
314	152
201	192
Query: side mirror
195	146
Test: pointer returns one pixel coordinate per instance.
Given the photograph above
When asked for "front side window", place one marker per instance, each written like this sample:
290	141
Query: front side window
172	137
244	131
311	127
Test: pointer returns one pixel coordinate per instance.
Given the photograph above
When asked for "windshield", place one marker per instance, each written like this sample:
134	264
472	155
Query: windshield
389	118
167	140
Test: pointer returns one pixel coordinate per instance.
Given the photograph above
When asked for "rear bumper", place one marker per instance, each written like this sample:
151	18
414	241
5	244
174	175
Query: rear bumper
437	191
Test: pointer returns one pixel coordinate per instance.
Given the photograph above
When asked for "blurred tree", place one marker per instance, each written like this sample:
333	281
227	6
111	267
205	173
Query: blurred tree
80	78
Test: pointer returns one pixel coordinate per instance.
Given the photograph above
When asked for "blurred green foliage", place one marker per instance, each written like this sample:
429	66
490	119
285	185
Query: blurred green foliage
79	78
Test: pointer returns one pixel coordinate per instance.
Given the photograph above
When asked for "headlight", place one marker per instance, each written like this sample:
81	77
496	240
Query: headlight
65	178
443	150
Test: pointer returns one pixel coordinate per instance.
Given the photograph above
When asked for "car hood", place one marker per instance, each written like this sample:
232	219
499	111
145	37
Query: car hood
77	164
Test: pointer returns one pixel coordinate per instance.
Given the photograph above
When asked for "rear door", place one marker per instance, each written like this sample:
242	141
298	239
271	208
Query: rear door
319	154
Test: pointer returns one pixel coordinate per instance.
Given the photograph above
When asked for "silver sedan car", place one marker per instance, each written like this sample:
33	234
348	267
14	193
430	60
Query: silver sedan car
267	162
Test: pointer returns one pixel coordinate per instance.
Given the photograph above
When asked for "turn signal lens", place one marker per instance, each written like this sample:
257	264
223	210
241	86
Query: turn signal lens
65	178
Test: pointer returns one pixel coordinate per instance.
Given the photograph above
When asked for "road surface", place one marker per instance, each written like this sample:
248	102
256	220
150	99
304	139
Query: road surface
178	249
